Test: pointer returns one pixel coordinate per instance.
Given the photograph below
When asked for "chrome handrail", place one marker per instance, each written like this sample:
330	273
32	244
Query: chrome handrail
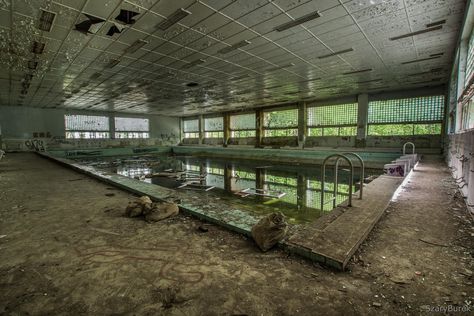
323	175
362	171
409	143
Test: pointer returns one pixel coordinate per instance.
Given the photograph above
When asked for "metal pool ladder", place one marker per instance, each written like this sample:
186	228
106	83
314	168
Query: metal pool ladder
336	169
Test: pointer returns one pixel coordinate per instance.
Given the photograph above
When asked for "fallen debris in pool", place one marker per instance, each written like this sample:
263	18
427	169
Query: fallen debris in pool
261	192
270	230
152	211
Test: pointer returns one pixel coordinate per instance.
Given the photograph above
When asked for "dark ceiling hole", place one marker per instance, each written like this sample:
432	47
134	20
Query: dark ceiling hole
192	84
84	26
113	29
38	48
126	16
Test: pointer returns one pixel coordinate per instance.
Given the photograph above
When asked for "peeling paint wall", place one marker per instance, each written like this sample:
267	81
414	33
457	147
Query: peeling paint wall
19	124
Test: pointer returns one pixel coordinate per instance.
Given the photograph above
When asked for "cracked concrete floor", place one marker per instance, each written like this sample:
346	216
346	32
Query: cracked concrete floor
66	249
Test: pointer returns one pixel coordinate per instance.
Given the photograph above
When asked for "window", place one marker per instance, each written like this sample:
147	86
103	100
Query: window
86	126
191	128
242	125
280	123
127	127
470	60
412	116
468	114
333	120
214	127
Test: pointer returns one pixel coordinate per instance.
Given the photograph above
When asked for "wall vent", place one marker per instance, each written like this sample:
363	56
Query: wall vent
46	20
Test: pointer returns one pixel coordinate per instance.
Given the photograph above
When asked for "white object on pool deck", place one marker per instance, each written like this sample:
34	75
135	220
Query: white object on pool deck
260	192
195	186
2	153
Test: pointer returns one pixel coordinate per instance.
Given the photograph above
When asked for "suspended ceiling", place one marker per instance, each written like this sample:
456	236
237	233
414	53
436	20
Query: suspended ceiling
222	55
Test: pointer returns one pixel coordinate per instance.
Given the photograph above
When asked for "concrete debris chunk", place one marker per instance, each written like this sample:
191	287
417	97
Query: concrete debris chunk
160	211
270	230
152	212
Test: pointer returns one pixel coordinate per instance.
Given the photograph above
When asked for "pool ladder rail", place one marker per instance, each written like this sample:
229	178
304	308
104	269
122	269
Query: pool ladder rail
343	156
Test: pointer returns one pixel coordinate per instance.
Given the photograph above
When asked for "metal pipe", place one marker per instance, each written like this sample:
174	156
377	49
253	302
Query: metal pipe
323	175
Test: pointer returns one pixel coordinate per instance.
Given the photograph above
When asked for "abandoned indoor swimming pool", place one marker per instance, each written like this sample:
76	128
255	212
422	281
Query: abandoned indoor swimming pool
236	157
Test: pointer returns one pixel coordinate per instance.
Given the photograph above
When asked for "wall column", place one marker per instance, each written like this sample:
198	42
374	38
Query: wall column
259	128
201	129
362	118
463	47
112	126
226	129
302	124
470	188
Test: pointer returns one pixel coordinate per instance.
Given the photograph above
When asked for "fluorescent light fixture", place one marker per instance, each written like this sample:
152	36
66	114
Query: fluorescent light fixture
426	72
281	67
194	63
238	45
337	53
357	71
240	77
112	63
46	20
436	23
135	46
95	75
435	28
437	54
174	18
38	48
367	81
313	79
419	60
298	21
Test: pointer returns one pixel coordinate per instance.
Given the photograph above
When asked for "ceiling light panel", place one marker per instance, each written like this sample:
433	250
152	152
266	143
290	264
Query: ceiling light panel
431	29
172	19
298	21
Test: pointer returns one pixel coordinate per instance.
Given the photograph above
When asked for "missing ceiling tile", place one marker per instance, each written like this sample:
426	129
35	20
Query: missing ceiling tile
126	16
192	84
32	64
113	29
89	26
37	48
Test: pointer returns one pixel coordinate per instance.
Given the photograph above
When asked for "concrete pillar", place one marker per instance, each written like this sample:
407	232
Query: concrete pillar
259	128
463	47
228	178
201	129
260	181
362	119
301	190
226	129
112	126
302	124
470	154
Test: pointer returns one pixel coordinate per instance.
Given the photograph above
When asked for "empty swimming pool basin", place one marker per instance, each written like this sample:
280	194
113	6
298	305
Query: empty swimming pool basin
295	190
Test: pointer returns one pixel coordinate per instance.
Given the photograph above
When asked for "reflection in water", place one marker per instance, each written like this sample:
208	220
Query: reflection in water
301	184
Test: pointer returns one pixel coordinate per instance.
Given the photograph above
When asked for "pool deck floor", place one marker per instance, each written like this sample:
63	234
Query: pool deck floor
330	240
67	249
334	238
